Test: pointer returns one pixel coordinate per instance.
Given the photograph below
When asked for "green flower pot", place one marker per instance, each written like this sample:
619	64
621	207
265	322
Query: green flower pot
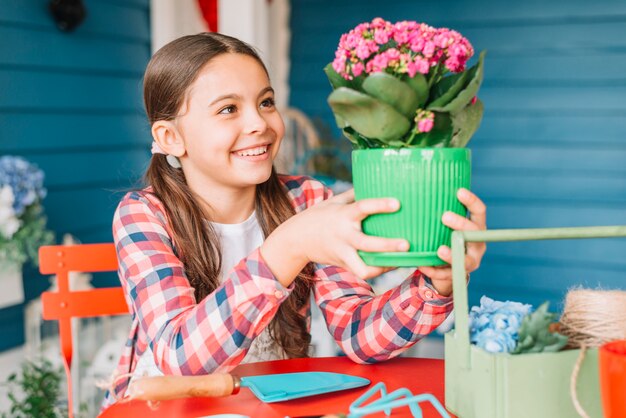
425	181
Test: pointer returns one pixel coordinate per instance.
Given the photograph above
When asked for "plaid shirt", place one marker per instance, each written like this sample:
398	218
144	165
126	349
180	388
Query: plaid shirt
190	337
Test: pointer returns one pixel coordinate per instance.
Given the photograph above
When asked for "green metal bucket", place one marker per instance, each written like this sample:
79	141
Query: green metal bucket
425	181
480	384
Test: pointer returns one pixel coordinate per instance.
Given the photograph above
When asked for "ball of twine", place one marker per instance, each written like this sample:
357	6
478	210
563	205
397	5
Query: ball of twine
593	317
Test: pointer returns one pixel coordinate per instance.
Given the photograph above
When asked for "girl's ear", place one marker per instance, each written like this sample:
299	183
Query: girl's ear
165	134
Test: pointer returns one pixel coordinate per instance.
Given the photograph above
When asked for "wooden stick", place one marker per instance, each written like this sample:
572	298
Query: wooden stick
162	388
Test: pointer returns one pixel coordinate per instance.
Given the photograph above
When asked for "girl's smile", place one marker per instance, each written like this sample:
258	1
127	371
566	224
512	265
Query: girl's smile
254	153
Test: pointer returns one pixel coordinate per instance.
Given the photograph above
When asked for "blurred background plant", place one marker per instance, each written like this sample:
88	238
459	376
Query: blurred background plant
35	391
22	220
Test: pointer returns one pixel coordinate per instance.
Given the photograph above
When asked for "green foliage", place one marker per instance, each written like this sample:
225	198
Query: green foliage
379	110
367	115
396	93
535	335
24	244
35	392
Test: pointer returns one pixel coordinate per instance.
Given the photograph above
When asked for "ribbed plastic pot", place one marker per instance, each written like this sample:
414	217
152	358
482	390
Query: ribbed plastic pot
425	181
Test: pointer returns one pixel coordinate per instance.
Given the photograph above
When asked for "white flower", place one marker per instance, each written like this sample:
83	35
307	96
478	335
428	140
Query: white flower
9	224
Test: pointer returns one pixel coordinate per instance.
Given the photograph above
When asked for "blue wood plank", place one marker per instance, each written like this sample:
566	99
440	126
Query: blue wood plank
138	4
549	157
78	211
41	90
457	11
57	52
67	170
28	133
525	280
104	20
509	213
560	130
579	252
573	188
12	327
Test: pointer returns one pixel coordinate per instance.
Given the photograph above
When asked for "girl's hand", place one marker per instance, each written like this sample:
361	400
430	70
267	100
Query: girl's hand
441	276
330	233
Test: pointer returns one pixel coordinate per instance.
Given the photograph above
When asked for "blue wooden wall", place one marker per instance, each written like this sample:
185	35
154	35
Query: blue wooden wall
551	150
71	103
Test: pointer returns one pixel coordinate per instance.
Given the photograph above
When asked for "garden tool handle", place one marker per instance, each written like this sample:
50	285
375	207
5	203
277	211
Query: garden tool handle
161	388
459	285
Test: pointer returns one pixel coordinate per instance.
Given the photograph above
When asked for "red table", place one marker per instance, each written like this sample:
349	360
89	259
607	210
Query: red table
418	375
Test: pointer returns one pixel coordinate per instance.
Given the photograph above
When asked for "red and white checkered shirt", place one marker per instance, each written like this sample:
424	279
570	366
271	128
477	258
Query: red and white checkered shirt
190	337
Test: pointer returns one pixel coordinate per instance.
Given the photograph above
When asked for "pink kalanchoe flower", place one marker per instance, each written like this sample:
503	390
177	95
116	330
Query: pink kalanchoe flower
425	125
381	36
429	49
363	50
357	69
425	120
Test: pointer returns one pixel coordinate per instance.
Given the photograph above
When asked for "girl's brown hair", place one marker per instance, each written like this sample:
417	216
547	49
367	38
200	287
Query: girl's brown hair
168	76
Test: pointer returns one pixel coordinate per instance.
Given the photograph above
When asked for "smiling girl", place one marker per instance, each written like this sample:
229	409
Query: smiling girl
219	255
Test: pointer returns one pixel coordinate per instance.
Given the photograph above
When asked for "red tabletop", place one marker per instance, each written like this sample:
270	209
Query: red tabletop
418	375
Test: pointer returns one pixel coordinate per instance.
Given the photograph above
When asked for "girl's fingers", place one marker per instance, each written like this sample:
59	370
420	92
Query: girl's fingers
354	264
476	250
445	253
475	206
458	222
373	244
366	207
437	272
345	197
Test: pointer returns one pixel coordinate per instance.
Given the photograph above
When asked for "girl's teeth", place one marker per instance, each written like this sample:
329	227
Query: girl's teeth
253	151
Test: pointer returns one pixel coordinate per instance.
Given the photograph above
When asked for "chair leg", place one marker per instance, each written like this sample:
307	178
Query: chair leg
70	398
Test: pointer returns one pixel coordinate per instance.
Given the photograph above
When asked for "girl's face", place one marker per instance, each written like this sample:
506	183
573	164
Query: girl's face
229	124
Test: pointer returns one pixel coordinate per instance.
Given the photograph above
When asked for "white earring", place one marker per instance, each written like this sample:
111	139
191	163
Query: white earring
173	161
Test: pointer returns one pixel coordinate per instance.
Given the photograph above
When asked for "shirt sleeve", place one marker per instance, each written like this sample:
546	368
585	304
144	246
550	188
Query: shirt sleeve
371	328
188	337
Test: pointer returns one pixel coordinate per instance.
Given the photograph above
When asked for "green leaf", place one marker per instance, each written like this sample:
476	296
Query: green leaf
474	79
368	116
334	78
337	80
465	124
534	333
392	91
446	89
439	136
419	84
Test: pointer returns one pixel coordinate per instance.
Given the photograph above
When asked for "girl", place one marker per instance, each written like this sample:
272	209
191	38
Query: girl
219	254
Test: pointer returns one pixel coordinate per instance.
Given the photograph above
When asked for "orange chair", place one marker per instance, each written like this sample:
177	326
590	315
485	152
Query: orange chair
66	304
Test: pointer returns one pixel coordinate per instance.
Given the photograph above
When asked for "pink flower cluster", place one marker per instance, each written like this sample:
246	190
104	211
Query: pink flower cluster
424	120
405	47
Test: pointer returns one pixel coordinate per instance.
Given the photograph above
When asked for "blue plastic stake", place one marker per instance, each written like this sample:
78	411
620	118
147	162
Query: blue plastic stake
389	401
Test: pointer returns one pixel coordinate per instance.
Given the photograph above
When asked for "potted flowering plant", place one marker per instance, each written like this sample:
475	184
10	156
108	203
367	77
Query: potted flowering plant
22	223
403	96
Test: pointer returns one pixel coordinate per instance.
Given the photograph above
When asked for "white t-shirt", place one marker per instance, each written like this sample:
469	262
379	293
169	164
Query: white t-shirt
237	241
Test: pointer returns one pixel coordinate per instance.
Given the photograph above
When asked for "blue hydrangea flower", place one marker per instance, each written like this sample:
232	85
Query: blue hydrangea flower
494	325
25	179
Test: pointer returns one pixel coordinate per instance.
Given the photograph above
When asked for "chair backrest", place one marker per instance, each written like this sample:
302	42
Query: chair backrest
299	144
66	304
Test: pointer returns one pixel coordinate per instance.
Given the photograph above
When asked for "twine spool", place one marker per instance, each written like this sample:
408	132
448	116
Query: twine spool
591	318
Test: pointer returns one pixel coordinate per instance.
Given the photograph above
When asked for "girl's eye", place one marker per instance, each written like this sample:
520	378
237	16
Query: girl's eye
269	102
228	110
